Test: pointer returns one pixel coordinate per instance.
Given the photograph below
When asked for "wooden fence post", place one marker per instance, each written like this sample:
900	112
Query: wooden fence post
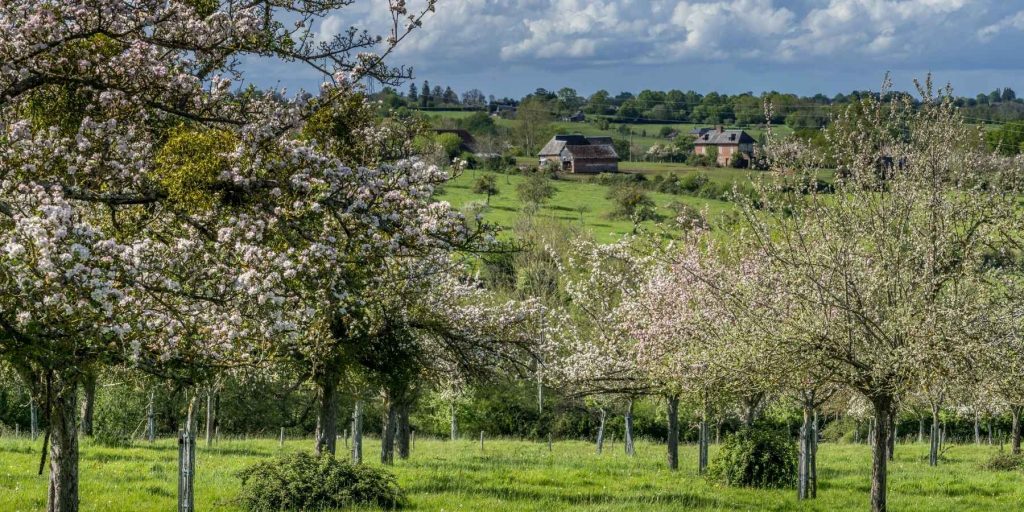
481	440
412	440
186	471
33	418
281	440
549	442
150	421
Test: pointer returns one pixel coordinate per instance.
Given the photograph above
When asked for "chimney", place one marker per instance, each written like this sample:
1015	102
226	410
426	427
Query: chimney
720	128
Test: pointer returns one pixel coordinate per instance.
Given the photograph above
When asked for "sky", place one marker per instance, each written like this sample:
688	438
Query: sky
511	47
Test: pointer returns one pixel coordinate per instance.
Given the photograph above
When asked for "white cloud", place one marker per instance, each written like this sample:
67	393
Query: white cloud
548	33
987	33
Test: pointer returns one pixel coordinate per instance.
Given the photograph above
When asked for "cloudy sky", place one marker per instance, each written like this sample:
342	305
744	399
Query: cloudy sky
510	47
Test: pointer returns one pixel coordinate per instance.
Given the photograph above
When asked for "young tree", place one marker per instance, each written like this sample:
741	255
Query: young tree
486	184
879	276
535	191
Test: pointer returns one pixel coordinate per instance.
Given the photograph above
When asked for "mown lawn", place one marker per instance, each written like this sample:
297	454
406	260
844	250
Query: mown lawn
584	204
523	476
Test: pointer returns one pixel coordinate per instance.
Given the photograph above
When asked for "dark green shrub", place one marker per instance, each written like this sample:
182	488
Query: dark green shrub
1005	462
305	482
756	458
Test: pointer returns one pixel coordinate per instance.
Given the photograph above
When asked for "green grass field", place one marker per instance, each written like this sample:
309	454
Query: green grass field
583	204
523	476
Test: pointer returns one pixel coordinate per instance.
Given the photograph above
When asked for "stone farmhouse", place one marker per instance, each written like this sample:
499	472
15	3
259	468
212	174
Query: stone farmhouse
728	142
581	154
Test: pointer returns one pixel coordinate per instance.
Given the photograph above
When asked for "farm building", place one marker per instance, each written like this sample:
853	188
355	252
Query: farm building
581	154
728	142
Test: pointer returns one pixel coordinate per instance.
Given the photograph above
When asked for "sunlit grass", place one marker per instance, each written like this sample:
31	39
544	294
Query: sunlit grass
511	475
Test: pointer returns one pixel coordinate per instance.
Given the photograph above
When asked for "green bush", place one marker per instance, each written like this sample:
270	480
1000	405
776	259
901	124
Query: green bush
305	482
1005	462
756	458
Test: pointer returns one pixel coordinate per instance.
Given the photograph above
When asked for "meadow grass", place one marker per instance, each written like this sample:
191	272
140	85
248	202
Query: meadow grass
575	202
516	475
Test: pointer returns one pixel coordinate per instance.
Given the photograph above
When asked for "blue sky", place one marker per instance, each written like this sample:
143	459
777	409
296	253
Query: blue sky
510	47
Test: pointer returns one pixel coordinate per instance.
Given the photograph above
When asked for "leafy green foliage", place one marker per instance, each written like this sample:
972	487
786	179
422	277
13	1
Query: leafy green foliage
631	202
535	191
756	458
1005	462
305	482
189	164
450	144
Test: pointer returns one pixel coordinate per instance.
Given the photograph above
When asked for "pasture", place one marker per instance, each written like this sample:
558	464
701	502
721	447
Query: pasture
576	202
518	475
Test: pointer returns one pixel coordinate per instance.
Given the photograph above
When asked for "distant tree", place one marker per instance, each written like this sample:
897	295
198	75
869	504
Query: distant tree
711	153
665	131
1008	139
425	94
413	92
632	202
535	191
1009	95
486	184
568	101
533	119
598	103
450	144
478	123
437	94
474	98
450	97
995	96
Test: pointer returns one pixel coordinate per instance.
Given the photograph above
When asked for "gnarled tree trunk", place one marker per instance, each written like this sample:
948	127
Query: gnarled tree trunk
327	416
62	495
88	402
673	432
807	451
404	430
600	431
879	470
387	438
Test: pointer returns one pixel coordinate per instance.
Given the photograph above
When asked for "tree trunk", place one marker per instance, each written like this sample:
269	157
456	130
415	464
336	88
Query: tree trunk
33	419
209	418
750	405
88	402
600	432
455	423
977	429
150	420
879	460
814	456
63	487
327	417
387	440
357	433
1015	429
673	433
404	431
920	429
703	439
933	450
893	432
629	429
989	425
803	486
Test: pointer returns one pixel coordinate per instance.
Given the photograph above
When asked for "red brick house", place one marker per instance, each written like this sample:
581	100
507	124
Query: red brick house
581	154
728	142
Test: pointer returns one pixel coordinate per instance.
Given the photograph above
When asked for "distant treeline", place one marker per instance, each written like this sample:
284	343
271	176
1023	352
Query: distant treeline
676	106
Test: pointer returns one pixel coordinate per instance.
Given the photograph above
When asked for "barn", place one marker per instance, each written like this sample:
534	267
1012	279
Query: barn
581	154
